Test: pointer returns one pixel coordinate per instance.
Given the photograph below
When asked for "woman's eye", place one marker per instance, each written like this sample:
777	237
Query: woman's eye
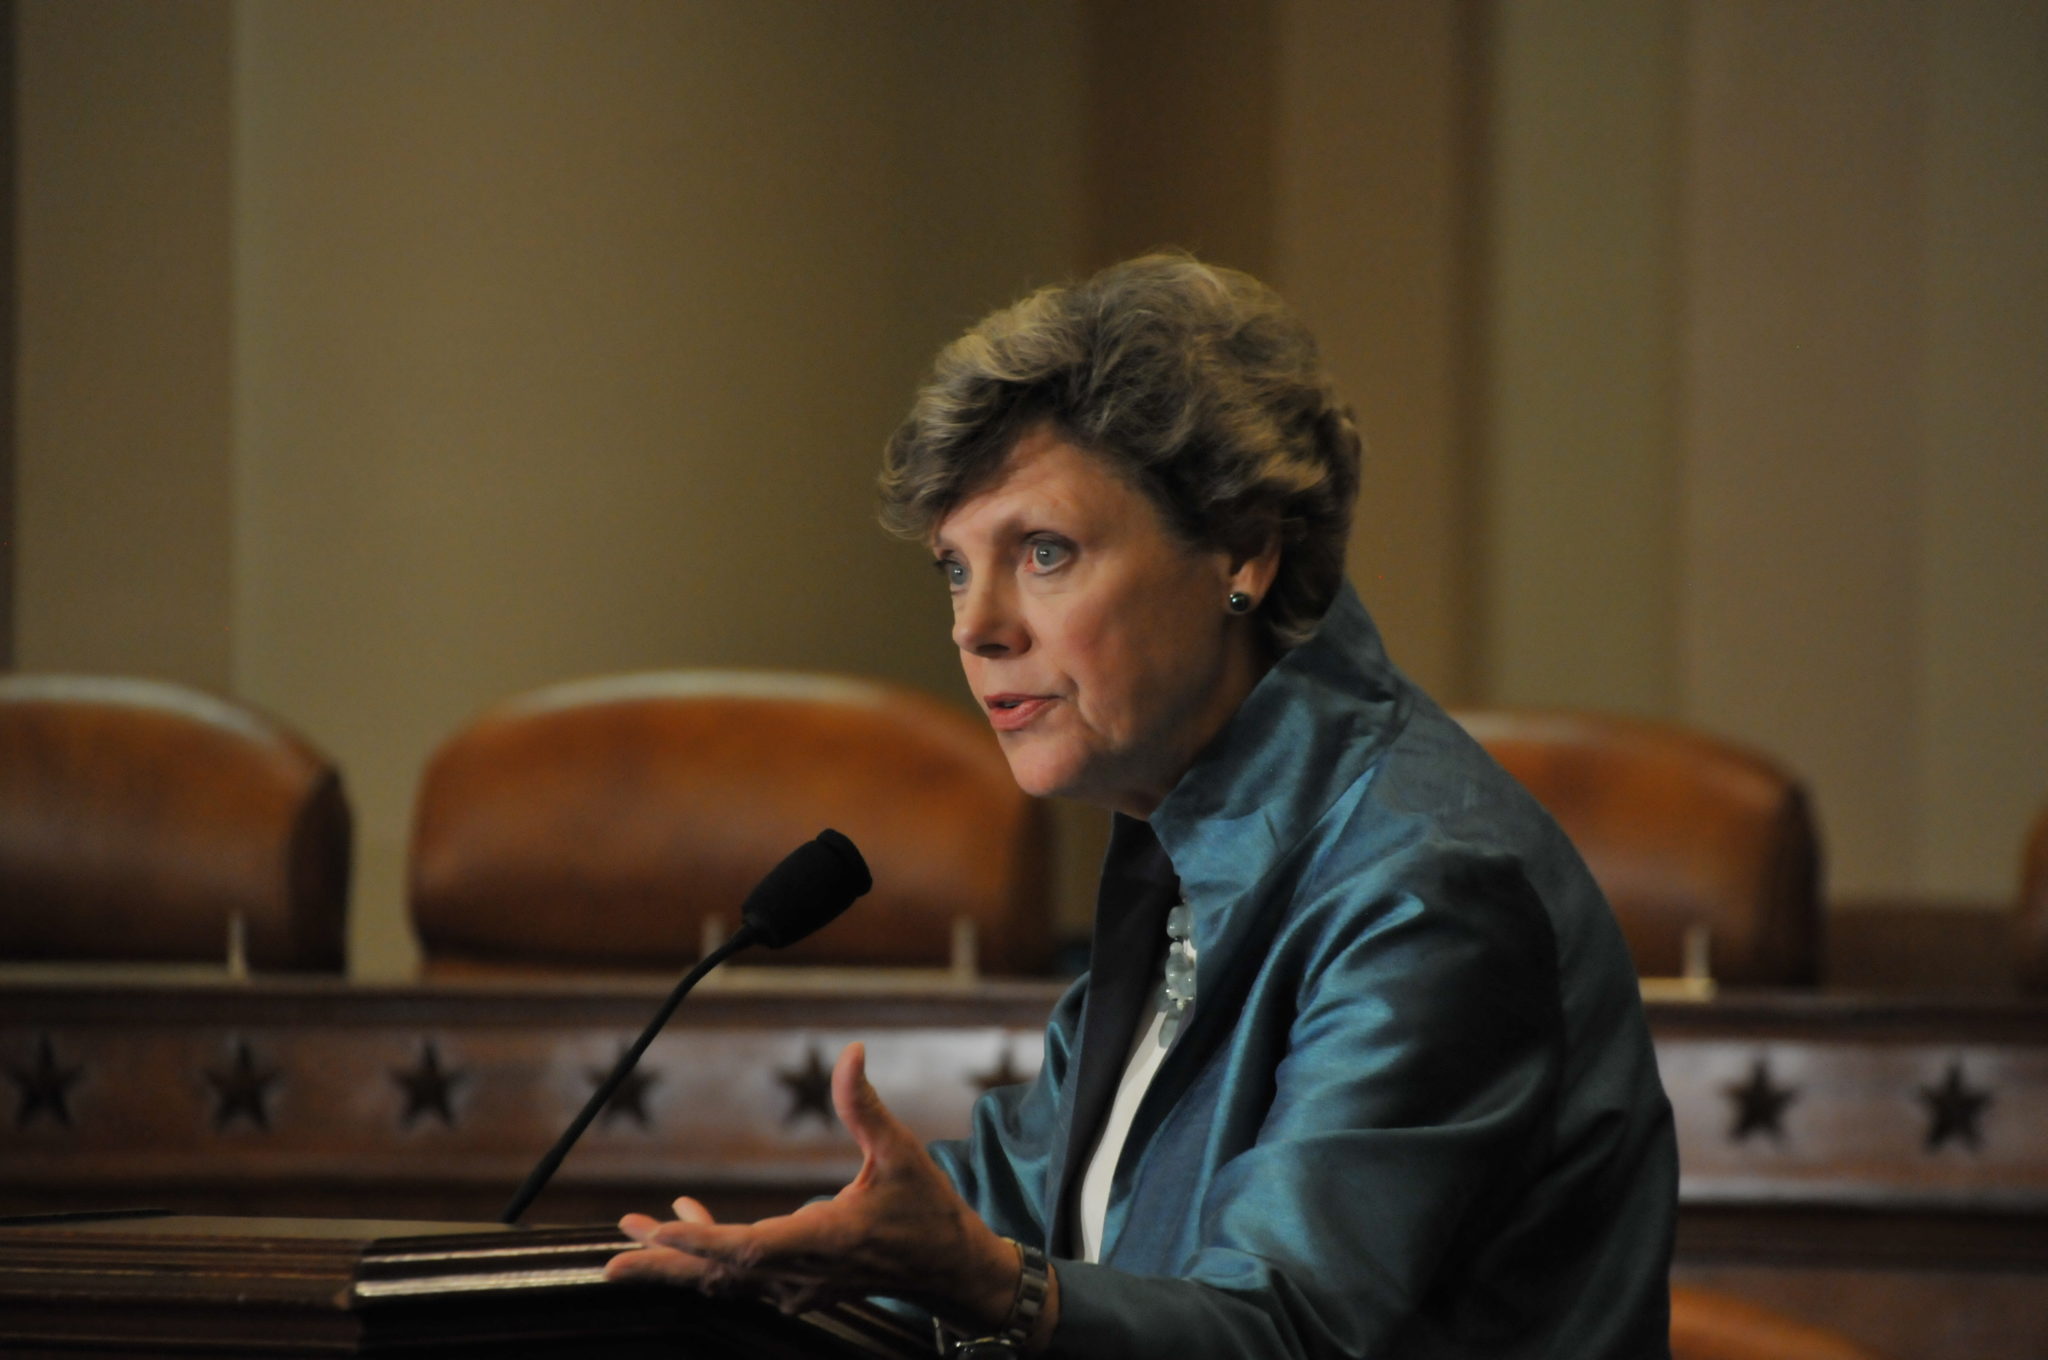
954	572
1046	554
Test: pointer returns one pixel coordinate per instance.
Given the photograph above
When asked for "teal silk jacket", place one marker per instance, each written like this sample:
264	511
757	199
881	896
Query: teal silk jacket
1414	1111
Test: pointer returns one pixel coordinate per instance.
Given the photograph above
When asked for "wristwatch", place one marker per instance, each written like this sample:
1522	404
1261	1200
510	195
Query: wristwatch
1034	1281
986	1348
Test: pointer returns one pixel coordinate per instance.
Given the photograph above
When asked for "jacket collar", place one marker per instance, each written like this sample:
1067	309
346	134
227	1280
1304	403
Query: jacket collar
1304	737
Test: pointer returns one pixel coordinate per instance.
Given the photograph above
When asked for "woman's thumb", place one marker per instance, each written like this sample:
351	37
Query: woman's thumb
857	1102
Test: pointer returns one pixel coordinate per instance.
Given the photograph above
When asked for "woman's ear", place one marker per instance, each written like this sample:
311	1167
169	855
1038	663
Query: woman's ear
1253	573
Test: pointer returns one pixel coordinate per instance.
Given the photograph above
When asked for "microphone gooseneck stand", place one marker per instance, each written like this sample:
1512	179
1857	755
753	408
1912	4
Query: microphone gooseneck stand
537	1179
812	885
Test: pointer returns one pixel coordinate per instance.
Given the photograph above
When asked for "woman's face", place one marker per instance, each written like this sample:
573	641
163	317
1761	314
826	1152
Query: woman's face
1099	644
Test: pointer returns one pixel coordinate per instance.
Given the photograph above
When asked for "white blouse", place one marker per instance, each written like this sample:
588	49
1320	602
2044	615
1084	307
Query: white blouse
1146	1050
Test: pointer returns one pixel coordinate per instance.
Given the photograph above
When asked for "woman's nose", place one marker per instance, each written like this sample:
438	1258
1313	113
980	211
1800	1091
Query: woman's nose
985	622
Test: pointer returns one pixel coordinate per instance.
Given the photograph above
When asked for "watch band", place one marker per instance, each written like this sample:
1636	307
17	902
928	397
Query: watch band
1034	1282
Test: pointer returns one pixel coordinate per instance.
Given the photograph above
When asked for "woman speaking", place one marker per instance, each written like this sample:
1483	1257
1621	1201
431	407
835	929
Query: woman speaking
1359	1066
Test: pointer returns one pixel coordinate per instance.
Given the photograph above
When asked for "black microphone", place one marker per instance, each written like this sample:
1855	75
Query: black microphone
806	892
810	888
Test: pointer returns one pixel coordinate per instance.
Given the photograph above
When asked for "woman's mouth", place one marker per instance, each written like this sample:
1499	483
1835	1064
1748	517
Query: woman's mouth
1010	712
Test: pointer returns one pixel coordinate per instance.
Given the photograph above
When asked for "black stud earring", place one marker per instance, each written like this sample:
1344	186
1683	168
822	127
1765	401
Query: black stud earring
1239	602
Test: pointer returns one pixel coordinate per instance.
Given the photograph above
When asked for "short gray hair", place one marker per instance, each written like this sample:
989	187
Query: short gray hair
1196	383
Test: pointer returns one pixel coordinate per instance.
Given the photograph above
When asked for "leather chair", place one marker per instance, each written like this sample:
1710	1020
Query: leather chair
595	825
147	822
1680	828
1709	1326
2031	919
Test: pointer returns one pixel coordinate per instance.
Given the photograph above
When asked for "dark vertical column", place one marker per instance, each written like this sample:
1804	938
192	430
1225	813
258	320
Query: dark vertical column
1179	141
1474	228
7	330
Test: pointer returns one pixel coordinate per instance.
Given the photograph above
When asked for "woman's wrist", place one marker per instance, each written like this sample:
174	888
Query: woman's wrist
1009	1293
998	1271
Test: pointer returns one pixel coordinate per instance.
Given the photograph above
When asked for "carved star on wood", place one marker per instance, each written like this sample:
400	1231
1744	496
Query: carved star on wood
1005	1074
1954	1110
429	1087
242	1089
810	1090
631	1097
44	1086
1759	1104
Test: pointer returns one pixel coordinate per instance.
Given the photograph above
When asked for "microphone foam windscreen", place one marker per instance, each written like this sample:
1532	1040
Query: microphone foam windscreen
813	884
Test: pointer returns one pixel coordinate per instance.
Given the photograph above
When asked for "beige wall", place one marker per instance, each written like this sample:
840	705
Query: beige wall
123	390
1982	557
1376	241
569	334
560	339
379	360
1768	448
1578	550
1801	435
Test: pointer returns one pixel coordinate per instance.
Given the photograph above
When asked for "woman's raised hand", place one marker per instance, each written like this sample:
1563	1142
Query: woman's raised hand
897	1229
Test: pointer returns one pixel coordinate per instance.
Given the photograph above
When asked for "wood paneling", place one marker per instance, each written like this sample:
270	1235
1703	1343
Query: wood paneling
410	1101
1839	1155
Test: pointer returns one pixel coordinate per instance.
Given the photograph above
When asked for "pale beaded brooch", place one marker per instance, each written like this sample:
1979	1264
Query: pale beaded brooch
1179	992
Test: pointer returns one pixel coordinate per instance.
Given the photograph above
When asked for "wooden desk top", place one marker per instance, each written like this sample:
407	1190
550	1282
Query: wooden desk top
180	1284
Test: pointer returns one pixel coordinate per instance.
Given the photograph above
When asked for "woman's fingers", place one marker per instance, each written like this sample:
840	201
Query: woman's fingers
718	1241
852	1096
899	1227
790	1263
639	1227
876	1131
656	1265
797	1243
655	1259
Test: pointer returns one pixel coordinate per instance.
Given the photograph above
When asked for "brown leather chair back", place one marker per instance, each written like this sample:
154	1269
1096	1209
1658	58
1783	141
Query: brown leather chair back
2031	920
1679	828
139	819
1709	1326
596	824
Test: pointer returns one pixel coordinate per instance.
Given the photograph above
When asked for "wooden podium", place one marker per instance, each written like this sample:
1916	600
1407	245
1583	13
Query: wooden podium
161	1284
